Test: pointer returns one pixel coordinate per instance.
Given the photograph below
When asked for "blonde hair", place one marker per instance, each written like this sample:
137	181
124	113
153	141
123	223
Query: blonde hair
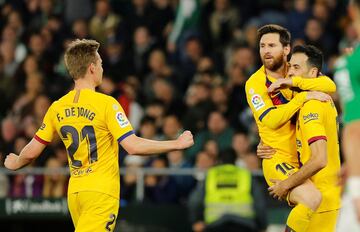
79	55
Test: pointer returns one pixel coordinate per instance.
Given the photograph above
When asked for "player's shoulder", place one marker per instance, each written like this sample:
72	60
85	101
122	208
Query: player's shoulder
316	106
256	78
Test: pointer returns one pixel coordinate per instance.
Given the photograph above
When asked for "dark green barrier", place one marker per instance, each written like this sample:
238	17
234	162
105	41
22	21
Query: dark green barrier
38	215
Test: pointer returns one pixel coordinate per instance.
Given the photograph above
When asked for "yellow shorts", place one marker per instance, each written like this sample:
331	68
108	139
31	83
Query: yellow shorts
277	168
324	221
93	211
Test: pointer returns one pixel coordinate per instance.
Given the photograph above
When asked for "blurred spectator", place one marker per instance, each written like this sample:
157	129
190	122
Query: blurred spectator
156	109
116	62
159	69
104	22
128	187
162	20
33	87
161	189
80	29
297	18
7	51
229	199
217	130
55	185
222	23
245	158
147	128
171	128
143	44
189	61
4	180
184	183
8	135
79	9
199	106
9	35
186	22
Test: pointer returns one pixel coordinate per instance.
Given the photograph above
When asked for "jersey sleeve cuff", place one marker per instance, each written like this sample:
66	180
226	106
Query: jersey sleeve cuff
265	113
316	138
121	138
40	140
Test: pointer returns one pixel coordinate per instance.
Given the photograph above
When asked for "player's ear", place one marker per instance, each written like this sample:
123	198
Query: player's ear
287	50
91	68
313	72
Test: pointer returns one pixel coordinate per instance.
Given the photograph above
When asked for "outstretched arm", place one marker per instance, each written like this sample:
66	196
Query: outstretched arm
135	145
29	153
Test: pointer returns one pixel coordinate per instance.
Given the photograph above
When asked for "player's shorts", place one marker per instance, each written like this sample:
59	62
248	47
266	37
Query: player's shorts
278	169
324	221
93	211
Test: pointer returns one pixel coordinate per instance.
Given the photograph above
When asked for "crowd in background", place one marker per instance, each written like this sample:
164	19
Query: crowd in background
172	65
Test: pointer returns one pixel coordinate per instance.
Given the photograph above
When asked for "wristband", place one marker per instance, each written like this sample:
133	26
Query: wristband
354	186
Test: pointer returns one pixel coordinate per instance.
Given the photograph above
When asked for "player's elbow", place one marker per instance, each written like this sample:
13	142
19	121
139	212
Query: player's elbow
321	162
272	124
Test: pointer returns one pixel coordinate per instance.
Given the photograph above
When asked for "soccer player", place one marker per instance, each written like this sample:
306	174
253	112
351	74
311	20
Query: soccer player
272	118
317	145
347	78
91	125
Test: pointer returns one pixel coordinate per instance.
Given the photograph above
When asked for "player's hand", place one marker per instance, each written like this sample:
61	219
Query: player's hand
280	84
185	140
279	190
320	96
265	152
10	161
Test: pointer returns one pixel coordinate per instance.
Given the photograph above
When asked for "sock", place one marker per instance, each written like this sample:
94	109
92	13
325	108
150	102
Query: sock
299	218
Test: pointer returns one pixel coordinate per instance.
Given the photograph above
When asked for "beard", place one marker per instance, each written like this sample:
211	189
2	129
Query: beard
275	63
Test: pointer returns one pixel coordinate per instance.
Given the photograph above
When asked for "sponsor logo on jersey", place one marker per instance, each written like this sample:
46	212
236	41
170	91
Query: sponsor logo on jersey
257	102
122	119
310	117
42	127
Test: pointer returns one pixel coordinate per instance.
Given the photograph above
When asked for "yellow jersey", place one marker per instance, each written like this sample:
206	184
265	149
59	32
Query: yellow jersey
91	125
272	112
319	120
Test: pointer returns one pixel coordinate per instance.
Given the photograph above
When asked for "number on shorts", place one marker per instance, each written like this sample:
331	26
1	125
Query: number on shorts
284	168
109	223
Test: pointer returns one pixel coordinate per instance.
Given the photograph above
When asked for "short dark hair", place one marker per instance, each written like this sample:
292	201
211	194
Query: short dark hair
315	56
284	33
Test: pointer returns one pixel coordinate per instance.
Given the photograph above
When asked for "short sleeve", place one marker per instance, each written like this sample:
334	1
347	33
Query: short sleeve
46	131
311	121
116	120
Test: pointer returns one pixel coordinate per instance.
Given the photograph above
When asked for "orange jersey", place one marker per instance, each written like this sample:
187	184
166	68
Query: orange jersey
91	125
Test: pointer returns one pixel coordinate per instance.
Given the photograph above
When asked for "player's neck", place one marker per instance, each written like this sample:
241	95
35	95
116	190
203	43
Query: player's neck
83	83
279	73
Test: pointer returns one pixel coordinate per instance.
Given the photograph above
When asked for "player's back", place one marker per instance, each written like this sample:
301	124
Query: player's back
319	120
90	125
